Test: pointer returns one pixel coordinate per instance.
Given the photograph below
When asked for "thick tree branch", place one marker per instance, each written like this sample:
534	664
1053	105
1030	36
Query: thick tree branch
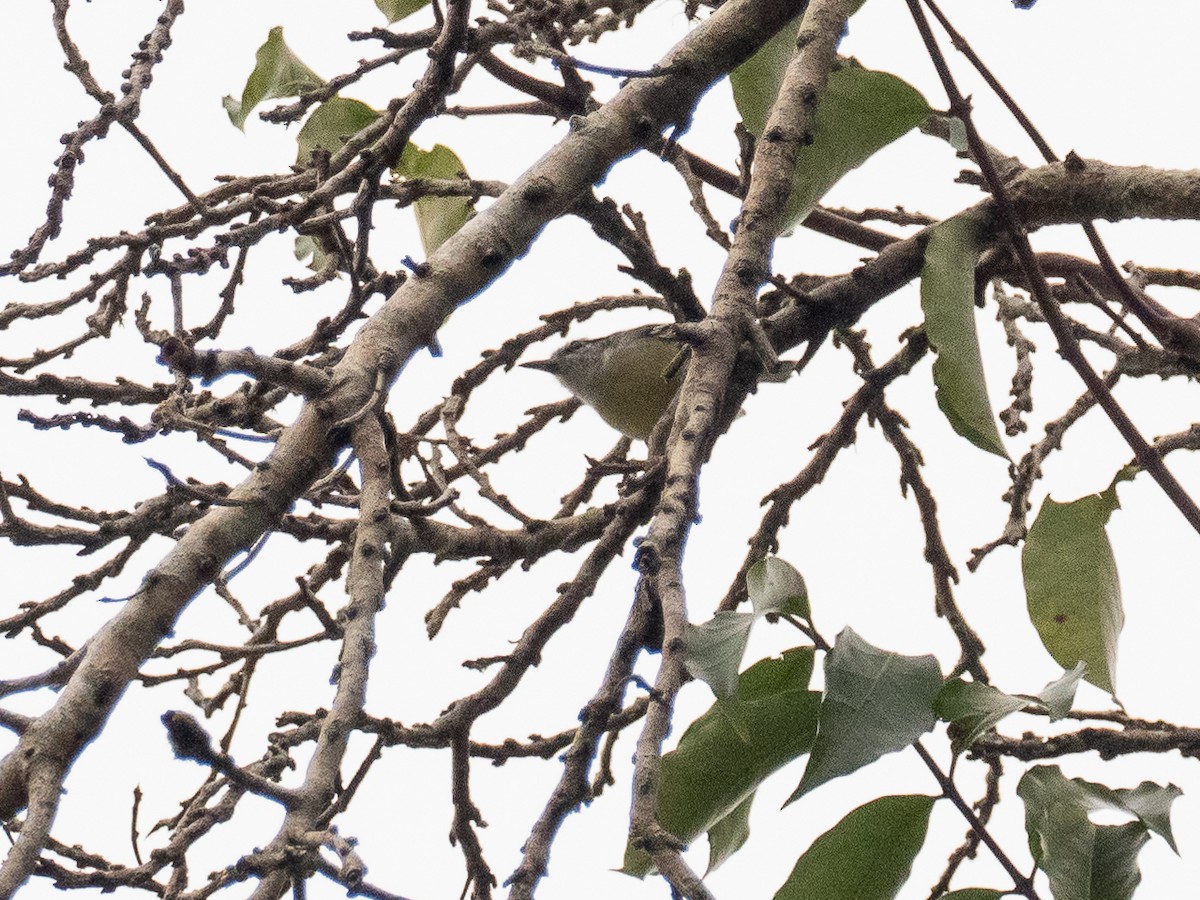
701	398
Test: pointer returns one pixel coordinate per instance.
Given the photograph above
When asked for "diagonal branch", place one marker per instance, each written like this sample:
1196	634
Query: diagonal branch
1013	225
364	582
478	254
701	399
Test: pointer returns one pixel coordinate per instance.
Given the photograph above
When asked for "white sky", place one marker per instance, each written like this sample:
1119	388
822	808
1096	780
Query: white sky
1094	78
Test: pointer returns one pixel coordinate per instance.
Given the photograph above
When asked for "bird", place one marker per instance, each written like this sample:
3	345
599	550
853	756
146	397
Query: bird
629	377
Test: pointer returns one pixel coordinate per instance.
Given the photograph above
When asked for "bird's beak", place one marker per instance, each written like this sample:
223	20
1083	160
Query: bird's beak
545	365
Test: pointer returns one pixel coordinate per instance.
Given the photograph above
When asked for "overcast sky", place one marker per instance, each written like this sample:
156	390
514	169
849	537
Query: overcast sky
1109	80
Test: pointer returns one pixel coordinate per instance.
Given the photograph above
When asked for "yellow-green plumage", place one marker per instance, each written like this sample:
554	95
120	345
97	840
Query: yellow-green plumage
622	376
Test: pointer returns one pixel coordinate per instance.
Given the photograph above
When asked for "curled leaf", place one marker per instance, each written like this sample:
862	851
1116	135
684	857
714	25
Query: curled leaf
330	125
1085	861
973	708
860	112
948	301
278	72
437	217
776	586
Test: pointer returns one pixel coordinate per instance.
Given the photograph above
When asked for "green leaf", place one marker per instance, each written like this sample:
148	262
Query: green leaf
395	10
332	124
764	680
715	650
727	836
756	82
437	217
1151	803
716	766
958	134
1071	585
1115	872
1069	837
860	112
875	702
1059	695
307	246
948	301
1077	855
278	72
776	586
974	708
974	894
868	855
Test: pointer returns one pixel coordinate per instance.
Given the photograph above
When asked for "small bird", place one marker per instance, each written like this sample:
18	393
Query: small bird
629	377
